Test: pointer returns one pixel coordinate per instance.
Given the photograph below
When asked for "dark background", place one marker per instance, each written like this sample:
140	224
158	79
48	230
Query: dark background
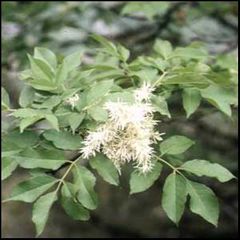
65	27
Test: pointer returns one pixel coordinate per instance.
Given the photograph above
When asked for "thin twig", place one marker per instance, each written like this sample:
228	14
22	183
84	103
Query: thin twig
66	173
175	169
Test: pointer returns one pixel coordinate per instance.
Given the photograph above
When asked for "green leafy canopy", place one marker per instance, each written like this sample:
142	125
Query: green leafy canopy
63	99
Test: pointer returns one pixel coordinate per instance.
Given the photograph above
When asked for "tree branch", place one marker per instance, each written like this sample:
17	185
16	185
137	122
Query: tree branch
163	22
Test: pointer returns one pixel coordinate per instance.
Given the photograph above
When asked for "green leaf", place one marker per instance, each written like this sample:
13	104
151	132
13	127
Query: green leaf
5	102
164	48
110	47
156	62
61	73
205	168
160	105
46	56
69	63
9	148
43	85
123	53
42	76
37	172
149	9
203	202
22	140
28	121
222	78
110	74
71	92
99	90
63	140
174	196
8	166
41	210
52	119
47	159
191	100
193	79
149	75
75	119
175	145
122	96
40	70
73	208
63	113
50	102
228	61
105	168
98	113
26	96
219	97
26	112
69	190
72	61
140	182
104	67
82	101
8	153
85	181
29	190
26	74
189	53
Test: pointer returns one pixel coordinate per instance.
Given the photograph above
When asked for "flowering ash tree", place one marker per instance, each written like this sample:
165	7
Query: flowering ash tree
108	114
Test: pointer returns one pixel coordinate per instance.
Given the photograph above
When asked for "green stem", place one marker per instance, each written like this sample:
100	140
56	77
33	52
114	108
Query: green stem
160	79
170	165
66	173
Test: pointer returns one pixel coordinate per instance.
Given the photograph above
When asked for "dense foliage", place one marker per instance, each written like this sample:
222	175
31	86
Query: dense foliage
63	101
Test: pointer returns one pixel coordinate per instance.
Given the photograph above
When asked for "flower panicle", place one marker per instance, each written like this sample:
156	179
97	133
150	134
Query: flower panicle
128	134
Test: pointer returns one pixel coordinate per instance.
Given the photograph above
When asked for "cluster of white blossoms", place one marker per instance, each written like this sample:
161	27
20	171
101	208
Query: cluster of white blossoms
72	100
128	134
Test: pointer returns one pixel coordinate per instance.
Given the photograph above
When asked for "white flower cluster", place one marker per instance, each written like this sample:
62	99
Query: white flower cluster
72	100
128	133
